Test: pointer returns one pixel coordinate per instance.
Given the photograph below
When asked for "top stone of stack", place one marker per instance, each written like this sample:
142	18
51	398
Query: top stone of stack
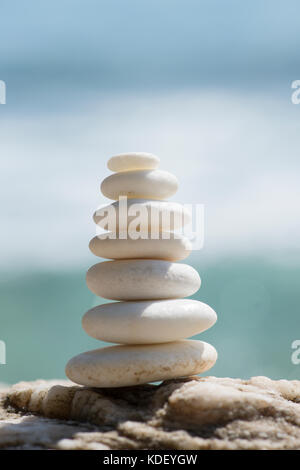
133	161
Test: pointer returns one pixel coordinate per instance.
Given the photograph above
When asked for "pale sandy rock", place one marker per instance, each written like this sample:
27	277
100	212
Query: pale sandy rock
194	413
142	280
148	321
144	184
126	365
171	248
142	215
133	161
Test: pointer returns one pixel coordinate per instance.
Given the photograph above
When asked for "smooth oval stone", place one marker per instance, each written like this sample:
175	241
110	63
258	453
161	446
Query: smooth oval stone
173	248
146	213
144	184
142	280
133	161
148	322
121	366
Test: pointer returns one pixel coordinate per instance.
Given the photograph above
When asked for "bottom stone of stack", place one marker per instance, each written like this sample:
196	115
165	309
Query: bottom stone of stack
121	366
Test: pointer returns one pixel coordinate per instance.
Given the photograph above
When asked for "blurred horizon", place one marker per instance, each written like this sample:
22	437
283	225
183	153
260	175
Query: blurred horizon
204	85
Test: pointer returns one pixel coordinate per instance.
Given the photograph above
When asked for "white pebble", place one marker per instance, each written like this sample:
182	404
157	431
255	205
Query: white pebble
148	322
121	366
142	280
144	184
152	215
133	161
170	248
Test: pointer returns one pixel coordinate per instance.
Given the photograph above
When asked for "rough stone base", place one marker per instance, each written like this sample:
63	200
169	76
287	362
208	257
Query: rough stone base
193	413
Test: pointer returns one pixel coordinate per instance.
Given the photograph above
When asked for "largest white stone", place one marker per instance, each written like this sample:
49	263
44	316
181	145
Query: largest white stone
142	280
148	322
121	366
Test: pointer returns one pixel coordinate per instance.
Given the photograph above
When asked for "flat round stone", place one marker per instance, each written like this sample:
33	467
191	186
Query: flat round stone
143	184
133	161
142	279
144	213
148	322
171	248
121	366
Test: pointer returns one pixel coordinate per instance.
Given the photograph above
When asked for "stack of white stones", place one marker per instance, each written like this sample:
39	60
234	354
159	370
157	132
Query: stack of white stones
150	319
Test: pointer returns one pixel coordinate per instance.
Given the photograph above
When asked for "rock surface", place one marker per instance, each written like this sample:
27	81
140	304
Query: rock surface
194	413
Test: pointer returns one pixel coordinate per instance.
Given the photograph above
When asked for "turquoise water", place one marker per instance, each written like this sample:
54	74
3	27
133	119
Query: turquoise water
258	318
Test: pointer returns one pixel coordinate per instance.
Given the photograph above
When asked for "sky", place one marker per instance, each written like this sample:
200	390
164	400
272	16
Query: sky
205	85
142	44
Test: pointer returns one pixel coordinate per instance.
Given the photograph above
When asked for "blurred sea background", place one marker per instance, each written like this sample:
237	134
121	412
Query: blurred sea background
205	85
